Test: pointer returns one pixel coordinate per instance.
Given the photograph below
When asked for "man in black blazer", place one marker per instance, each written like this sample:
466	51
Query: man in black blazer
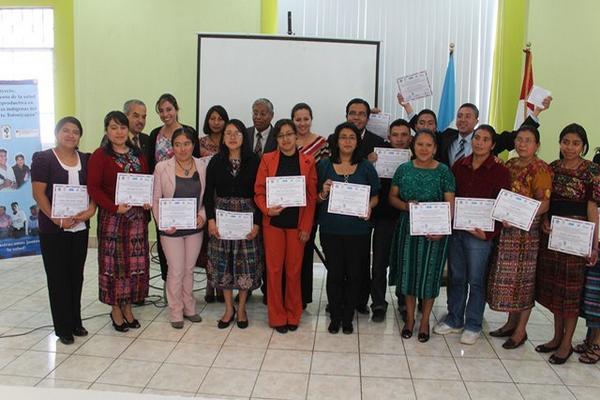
260	136
136	113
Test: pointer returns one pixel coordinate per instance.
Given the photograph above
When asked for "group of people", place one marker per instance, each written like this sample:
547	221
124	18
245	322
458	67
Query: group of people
17	224
16	176
226	171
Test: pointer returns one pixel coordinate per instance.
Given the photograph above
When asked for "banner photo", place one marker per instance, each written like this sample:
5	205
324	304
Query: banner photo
19	139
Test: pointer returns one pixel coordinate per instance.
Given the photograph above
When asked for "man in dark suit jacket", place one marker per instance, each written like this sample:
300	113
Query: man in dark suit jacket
260	136
136	113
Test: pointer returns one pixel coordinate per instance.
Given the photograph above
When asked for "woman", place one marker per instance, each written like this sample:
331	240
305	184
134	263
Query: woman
160	149
63	241
233	264
511	282
561	277
123	260
417	262
345	239
480	175
214	123
285	229
311	144
182	176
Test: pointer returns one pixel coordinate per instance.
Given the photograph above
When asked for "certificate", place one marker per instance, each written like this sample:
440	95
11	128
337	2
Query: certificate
414	86
473	213
134	189
430	219
349	199
234	225
388	160
69	200
537	96
179	213
571	236
517	210
286	191
379	124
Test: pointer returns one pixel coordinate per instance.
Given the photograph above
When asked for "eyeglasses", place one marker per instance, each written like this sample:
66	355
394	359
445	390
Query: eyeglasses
357	114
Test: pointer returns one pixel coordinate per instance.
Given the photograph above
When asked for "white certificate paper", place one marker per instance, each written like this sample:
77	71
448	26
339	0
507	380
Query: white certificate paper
430	219
134	189
571	236
234	225
286	191
69	200
516	209
537	96
473	213
379	124
349	199
388	160
179	213
414	86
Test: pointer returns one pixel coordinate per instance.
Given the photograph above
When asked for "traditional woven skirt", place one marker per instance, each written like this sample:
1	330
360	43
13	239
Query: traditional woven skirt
123	261
560	279
235	264
511	282
416	263
590	309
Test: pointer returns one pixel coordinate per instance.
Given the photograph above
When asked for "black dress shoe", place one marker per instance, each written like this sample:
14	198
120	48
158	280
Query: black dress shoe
224	324
282	329
67	340
347	328
501	333
135	324
242	324
423	337
542	348
292	328
407	333
556	360
119	327
81	331
511	344
378	316
334	327
362	310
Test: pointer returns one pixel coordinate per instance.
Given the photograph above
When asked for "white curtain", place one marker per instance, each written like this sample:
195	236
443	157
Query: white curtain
415	36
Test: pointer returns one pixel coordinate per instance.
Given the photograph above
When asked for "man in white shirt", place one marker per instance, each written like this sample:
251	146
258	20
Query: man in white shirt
7	175
19	221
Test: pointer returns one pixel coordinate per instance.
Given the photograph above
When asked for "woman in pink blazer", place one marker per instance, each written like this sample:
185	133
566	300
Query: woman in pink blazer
182	176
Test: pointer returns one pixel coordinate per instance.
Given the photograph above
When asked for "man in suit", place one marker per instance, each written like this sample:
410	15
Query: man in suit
136	113
260	136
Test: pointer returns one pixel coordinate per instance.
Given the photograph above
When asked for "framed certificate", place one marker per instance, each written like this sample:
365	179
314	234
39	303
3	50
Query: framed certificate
286	191
388	160
473	213
349	199
571	236
69	200
179	213
430	219
134	189
516	209
234	225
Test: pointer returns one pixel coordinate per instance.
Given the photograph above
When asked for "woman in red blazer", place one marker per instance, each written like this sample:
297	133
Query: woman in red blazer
285	229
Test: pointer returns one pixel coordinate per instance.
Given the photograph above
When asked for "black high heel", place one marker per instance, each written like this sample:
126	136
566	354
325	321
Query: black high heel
119	328
224	324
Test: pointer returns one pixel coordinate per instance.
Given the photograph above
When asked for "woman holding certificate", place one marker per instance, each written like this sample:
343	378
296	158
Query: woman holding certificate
235	253
63	226
287	222
511	281
123	254
348	187
561	276
417	262
181	177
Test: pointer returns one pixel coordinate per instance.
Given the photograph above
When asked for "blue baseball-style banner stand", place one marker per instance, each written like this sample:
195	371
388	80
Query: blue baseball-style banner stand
19	139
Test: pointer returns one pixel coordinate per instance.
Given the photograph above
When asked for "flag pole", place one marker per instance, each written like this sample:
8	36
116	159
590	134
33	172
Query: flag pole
527	51
451	46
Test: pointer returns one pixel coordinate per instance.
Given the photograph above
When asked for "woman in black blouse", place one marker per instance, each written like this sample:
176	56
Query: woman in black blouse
233	264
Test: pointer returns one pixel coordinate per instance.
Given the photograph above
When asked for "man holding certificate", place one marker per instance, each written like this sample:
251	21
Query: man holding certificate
285	192
479	179
179	184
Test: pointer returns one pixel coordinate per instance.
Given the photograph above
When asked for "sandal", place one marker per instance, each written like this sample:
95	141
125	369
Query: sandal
581	347
591	356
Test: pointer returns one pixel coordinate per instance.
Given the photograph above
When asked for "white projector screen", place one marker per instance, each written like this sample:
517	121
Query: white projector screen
235	70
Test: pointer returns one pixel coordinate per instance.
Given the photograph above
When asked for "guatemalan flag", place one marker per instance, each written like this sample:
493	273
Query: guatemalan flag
447	110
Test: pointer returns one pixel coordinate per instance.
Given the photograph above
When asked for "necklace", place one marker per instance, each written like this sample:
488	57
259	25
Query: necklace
186	171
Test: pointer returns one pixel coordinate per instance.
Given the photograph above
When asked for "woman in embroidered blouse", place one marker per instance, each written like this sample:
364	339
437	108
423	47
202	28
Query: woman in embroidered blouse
560	276
123	260
63	241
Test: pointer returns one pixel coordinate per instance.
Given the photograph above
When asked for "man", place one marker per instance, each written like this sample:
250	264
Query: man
136	113
7	175
21	171
33	221
260	136
5	223
19	221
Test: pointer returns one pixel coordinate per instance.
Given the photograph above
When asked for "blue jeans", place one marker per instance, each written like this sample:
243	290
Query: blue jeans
468	261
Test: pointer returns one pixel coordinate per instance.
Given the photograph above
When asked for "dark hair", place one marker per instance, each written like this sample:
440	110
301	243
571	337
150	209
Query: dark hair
4	151
14	203
222	113
427	111
301	106
166	97
579	131
356	100
472	107
33	206
399	122
489	129
246	150
335	148
181	131
65	120
422	132
20	155
121	119
597	156
280	124
529	128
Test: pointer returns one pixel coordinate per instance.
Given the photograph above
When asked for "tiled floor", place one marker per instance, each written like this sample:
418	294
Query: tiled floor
201	360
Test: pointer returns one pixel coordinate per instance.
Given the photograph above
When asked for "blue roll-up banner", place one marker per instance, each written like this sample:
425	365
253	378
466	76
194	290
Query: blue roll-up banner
19	139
